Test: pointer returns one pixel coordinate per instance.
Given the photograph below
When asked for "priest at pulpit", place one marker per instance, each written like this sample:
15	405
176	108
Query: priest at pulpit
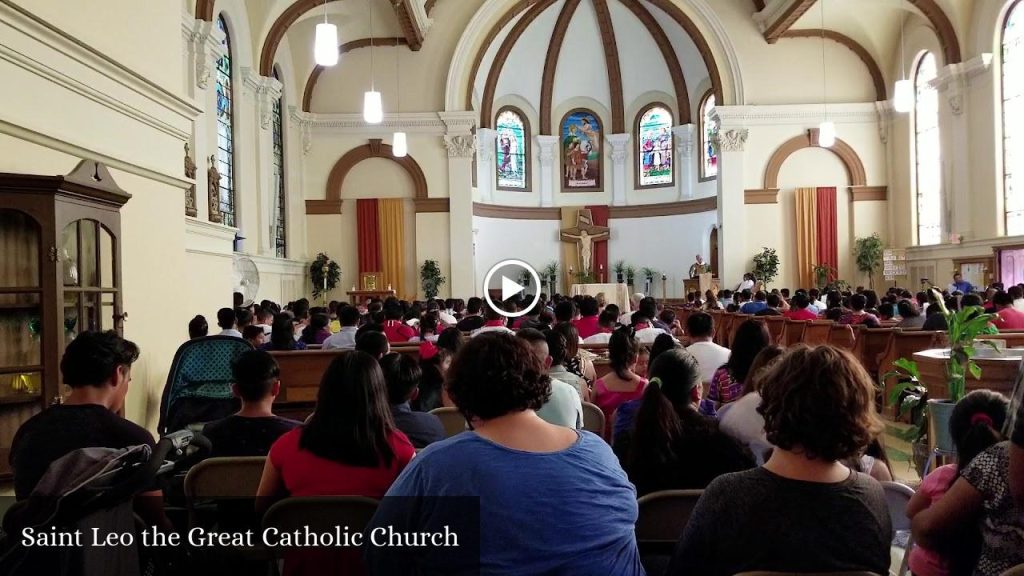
699	267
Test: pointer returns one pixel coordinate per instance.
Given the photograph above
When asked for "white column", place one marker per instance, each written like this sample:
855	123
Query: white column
485	142
460	210
685	165
209	51
263	91
546	146
732	230
619	148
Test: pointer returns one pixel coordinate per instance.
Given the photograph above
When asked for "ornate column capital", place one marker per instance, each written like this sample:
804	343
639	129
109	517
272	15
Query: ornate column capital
685	135
460	146
732	140
619	144
546	149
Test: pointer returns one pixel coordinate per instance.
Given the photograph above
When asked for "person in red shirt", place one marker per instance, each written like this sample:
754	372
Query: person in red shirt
1007	317
587	323
798	309
394	328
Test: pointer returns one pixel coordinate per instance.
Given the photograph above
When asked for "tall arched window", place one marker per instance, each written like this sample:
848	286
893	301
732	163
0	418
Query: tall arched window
654	147
225	129
708	127
927	153
280	231
513	150
1013	115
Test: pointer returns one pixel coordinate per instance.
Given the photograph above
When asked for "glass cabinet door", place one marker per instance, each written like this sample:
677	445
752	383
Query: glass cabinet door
89	278
21	343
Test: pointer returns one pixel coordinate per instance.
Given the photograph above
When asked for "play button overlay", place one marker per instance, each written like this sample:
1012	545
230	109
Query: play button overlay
509	278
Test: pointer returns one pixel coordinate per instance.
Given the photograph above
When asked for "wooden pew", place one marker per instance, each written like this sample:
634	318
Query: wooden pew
723	328
903	345
817	332
737	321
842	336
776	328
871	344
793	333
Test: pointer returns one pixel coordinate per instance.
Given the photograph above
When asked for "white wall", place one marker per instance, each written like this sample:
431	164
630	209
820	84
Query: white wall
532	241
665	243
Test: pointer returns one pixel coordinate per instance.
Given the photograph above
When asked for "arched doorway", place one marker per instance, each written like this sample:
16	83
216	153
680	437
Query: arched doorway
713	256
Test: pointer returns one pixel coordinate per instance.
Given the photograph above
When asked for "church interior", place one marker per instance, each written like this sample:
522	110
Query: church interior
167	159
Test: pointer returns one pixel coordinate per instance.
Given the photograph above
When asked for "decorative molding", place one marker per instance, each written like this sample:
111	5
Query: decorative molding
868	193
732	140
675	70
547	85
762	196
877	78
458	122
324	207
495	29
431	205
314	75
943	29
885	112
846	154
778	26
412	19
491	86
375	148
516	212
697	206
264	90
611	64
954	79
798	114
461	146
433	123
691	29
220	232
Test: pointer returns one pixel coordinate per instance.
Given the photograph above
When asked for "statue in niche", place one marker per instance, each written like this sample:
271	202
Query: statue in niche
213	186
190	192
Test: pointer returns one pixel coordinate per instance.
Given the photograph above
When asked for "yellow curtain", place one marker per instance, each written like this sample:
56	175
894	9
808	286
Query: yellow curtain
391	219
806	235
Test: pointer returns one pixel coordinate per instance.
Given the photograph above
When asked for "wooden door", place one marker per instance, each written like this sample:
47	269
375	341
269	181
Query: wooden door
713	257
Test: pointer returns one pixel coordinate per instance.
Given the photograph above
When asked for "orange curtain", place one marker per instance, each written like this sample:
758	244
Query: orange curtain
806	235
391	217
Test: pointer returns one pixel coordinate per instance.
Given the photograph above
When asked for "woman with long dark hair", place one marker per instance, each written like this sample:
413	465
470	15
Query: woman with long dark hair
282	335
727	383
672	446
622	384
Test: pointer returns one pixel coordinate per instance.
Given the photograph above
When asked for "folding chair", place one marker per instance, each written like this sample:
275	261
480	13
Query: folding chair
662	517
593	419
321	514
897	496
452	420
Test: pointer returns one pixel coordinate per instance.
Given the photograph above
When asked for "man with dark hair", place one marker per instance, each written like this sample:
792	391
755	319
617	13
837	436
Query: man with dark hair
757	305
493	322
403	375
265	318
253	429
586	324
772	309
344	339
254	335
563	406
700	327
394	328
226	321
565	311
300	313
1007	317
1017	295
198	328
373	342
97	366
243	318
473	318
725	297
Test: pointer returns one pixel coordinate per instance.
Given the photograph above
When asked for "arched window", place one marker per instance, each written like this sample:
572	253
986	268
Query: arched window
1013	115
654	147
280	231
513	150
225	129
581	138
927	154
708	128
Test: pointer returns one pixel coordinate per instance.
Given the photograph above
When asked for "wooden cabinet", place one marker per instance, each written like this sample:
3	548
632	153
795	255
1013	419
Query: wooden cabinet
60	274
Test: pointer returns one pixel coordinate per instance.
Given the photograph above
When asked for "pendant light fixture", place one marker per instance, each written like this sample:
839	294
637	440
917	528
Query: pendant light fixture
325	44
903	93
373	108
399	143
827	128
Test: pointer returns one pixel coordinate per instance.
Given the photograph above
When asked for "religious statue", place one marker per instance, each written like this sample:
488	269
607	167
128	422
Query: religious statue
190	192
699	267
584	234
213	187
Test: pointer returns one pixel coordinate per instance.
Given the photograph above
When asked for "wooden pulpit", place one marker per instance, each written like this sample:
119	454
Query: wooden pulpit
701	283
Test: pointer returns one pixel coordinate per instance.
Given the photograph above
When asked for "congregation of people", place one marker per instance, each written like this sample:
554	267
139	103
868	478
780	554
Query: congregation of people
787	444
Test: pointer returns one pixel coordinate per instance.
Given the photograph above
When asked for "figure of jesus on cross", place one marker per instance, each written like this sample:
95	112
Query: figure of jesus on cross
584	234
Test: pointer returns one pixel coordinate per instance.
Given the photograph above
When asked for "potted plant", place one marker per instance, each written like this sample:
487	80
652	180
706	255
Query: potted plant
766	265
550	274
824	275
325	274
620	271
962	328
630	274
868	253
909	399
431	279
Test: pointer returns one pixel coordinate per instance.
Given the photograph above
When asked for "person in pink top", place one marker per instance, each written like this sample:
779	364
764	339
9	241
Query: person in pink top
587	324
974	426
798	309
1008	317
622	384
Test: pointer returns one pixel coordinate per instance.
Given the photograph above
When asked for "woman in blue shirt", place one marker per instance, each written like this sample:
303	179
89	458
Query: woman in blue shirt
535	498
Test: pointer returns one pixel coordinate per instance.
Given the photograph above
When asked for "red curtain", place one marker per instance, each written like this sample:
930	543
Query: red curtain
828	240
600	263
368	235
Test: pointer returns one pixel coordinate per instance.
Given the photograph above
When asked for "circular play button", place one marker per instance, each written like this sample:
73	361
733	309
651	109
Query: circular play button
509	278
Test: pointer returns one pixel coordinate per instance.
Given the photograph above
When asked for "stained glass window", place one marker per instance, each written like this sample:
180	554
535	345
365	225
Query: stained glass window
654	141
280	232
1013	115
225	129
512	150
927	153
708	128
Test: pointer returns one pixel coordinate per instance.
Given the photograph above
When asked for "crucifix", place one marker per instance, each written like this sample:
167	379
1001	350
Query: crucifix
584	234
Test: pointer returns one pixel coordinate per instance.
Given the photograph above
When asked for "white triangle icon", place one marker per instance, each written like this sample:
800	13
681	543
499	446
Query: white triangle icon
509	288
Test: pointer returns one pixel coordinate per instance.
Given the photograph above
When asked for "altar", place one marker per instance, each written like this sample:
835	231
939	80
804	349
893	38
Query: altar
617	294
